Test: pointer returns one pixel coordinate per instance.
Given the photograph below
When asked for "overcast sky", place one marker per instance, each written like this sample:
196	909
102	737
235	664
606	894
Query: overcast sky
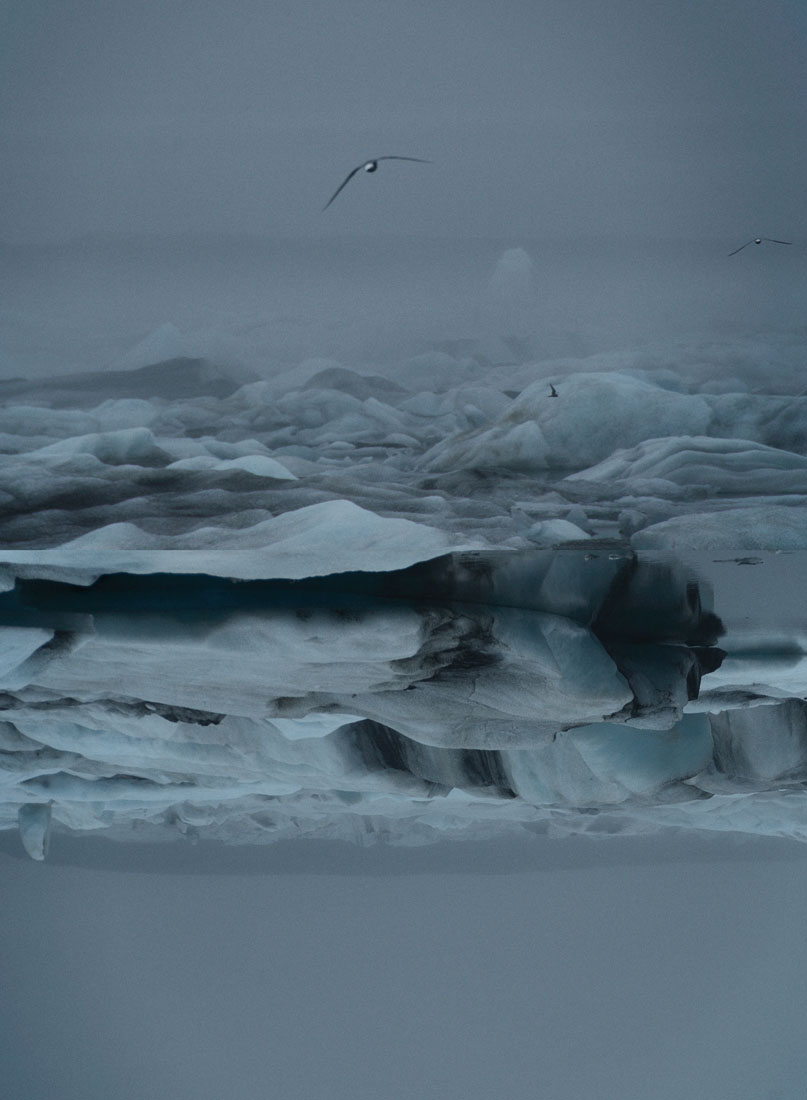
644	982
543	117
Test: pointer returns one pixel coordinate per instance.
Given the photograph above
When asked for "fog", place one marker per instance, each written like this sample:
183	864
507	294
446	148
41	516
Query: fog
369	303
566	119
170	164
164	173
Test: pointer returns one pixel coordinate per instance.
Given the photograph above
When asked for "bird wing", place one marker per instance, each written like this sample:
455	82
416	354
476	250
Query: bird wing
359	167
773	240
344	183
734	253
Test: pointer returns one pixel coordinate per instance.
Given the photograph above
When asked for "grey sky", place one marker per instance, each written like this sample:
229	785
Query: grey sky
544	117
619	983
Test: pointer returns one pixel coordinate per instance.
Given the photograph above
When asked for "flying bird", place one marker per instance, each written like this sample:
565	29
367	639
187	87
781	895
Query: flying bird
758	240
554	392
369	166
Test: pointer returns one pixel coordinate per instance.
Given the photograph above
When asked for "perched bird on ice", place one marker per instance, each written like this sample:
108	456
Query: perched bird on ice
369	166
758	240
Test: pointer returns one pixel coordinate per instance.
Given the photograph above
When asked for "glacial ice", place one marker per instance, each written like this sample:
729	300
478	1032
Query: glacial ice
781	526
412	602
597	414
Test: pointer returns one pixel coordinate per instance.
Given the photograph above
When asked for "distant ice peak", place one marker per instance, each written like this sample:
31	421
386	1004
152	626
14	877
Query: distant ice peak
512	278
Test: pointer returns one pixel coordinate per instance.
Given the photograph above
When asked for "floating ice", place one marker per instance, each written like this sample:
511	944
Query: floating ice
602	763
553	532
126	447
332	537
250	609
756	527
593	415
715	465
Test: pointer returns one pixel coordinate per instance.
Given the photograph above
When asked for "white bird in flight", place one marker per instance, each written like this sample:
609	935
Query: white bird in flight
369	166
758	240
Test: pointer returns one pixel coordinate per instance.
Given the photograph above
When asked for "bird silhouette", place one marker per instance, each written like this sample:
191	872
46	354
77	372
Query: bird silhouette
758	240
554	392
369	166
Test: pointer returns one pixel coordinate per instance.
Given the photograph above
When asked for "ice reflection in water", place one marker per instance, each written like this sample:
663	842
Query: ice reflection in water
474	695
